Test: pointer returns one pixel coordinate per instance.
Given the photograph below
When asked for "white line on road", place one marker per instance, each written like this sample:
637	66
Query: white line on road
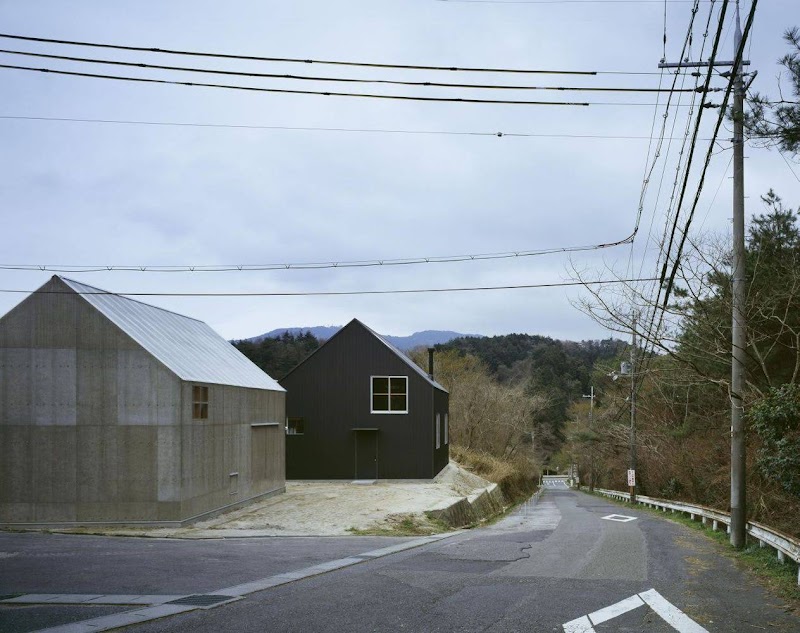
581	625
609	613
668	612
672	615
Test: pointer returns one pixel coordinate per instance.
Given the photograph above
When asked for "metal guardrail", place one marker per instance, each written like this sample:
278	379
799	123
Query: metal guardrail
783	544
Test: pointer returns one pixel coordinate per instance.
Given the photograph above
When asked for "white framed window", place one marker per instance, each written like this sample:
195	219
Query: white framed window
446	429
389	394
438	431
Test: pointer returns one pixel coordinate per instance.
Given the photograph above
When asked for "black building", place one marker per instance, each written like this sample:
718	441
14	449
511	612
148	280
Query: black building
358	408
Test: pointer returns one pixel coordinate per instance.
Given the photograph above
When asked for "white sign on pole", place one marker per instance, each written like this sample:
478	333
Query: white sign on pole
631	477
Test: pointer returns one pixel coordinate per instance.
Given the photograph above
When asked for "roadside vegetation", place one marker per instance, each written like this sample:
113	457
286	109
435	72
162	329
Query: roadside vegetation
762	562
683	404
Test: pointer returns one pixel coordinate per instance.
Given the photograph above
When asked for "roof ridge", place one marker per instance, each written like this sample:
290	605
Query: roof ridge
101	291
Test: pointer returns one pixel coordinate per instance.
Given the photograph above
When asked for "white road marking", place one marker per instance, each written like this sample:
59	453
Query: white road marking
620	518
609	613
671	614
668	612
581	625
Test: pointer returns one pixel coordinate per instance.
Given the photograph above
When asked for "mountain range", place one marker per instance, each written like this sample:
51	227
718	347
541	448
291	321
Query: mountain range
425	338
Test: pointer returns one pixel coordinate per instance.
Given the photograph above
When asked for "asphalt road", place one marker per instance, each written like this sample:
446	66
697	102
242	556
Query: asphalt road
555	563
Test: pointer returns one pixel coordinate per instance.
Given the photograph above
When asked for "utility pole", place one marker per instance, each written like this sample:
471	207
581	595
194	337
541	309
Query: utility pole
591	449
738	335
632	466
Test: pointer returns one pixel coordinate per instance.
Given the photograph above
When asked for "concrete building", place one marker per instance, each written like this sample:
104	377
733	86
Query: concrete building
115	411
358	408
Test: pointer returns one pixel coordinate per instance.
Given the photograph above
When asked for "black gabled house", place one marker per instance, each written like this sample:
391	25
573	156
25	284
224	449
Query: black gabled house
358	408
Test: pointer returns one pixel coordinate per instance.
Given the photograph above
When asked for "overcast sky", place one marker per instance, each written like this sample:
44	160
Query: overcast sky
90	193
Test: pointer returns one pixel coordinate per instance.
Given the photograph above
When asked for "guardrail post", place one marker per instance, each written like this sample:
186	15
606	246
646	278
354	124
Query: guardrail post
691	516
715	525
761	544
705	520
781	557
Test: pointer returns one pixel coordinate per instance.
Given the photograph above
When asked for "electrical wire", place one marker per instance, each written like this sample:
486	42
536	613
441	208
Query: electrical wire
323	129
301	92
734	71
294	60
431	84
561	284
79	268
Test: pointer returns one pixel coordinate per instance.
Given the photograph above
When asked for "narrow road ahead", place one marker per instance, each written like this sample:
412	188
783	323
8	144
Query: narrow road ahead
563	564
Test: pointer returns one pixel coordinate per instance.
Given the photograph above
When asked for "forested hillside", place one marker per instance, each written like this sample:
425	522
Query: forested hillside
278	356
555	372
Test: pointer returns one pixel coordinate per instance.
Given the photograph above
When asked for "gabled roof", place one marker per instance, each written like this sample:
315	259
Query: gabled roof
391	347
187	347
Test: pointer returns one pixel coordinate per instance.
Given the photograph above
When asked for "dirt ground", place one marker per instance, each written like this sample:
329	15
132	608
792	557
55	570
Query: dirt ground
331	508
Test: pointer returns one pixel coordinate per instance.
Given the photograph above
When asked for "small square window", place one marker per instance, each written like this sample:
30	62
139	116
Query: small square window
389	394
295	426
438	431
199	402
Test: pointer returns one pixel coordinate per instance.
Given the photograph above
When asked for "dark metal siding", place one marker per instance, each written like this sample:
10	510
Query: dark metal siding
331	392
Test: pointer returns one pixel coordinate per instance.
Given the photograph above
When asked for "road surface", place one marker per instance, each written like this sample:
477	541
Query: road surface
571	563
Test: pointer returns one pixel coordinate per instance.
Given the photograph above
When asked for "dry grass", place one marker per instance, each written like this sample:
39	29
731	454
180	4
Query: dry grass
517	478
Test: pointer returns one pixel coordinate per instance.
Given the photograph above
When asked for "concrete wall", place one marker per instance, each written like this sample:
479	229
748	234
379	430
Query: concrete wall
244	434
94	429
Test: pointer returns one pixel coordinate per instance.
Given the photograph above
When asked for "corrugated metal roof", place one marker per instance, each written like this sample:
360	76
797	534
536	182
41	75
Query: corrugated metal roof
397	352
187	347
403	357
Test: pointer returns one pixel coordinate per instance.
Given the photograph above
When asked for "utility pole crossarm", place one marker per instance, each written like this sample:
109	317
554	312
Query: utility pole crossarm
700	64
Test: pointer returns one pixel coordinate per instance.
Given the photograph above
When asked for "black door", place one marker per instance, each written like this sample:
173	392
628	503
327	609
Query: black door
366	454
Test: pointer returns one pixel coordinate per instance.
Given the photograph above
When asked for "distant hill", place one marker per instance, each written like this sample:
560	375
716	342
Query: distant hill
427	338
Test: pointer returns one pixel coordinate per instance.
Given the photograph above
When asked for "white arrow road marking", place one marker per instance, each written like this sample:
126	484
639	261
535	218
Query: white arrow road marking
615	610
673	616
581	625
668	612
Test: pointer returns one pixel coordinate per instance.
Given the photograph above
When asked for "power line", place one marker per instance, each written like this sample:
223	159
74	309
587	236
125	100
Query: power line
294	60
79	268
325	93
567	1
297	92
323	129
733	74
431	84
333	292
692	147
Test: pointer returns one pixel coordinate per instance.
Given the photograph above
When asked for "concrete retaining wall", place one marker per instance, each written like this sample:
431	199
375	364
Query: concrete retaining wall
470	510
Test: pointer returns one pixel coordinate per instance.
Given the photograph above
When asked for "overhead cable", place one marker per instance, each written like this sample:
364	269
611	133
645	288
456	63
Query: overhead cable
323	293
302	92
294	60
323	129
720	119
79	268
431	84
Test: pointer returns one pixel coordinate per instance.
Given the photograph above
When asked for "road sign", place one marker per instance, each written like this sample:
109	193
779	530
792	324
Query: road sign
668	612
631	477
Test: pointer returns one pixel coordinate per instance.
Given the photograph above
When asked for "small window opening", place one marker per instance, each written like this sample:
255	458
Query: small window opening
295	426
199	402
